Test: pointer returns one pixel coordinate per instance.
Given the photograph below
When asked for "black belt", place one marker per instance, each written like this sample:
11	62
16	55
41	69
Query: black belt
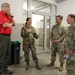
5	34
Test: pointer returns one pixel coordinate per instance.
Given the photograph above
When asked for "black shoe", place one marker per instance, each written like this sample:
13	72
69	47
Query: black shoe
7	72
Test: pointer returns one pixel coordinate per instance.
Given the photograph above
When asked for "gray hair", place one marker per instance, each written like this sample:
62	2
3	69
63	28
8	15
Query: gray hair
5	4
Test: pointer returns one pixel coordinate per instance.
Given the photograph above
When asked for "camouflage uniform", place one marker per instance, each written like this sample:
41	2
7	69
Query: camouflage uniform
70	45
57	33
29	42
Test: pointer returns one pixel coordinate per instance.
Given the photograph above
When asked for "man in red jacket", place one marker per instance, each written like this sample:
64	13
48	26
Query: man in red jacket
6	23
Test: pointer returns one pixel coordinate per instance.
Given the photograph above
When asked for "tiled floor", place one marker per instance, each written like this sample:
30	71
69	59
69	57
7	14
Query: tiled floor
44	59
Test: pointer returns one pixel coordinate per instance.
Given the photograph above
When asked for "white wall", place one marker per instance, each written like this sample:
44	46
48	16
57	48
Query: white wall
65	8
16	8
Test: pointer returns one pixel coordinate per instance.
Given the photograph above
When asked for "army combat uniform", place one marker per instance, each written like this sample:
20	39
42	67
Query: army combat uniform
58	34
70	46
29	44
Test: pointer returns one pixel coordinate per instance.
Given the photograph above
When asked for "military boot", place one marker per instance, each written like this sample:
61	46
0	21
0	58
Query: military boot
50	64
6	71
27	66
61	67
37	66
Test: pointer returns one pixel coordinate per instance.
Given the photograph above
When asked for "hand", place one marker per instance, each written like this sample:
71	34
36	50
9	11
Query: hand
29	30
54	41
64	50
70	52
7	25
10	13
38	34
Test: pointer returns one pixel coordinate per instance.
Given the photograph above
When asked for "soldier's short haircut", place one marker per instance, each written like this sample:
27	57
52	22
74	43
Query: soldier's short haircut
61	17
5	4
72	16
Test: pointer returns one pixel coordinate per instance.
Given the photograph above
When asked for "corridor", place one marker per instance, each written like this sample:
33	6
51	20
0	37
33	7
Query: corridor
44	59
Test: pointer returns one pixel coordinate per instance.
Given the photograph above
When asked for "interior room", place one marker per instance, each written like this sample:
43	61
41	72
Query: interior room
43	14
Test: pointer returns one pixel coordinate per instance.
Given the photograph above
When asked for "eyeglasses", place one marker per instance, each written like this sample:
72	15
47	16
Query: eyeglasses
7	6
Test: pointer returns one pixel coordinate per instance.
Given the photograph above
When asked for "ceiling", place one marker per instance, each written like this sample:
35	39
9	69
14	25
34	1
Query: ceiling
58	1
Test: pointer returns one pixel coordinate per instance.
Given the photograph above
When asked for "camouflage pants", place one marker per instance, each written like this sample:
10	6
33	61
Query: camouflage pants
26	49
57	48
70	66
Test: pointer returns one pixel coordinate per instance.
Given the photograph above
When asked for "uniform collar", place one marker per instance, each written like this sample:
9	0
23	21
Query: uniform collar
28	26
3	12
59	25
8	16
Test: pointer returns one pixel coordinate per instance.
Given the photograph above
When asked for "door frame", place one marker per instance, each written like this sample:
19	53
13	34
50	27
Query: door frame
45	28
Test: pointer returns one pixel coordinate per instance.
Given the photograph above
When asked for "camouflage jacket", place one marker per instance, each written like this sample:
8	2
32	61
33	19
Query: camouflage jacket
58	33
28	37
70	39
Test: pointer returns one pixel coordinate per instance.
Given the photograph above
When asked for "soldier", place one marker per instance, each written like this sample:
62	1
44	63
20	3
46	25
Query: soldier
28	33
70	45
57	37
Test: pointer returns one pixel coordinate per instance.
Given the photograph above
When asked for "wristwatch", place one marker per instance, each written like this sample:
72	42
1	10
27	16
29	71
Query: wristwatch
12	16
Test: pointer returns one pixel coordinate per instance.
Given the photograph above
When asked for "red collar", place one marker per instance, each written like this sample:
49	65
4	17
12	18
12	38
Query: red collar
8	16
3	12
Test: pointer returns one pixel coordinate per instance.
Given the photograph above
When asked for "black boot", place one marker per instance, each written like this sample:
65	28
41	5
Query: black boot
27	66
37	66
7	71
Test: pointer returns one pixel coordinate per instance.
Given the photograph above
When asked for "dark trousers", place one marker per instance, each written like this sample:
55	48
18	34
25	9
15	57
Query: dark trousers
5	46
